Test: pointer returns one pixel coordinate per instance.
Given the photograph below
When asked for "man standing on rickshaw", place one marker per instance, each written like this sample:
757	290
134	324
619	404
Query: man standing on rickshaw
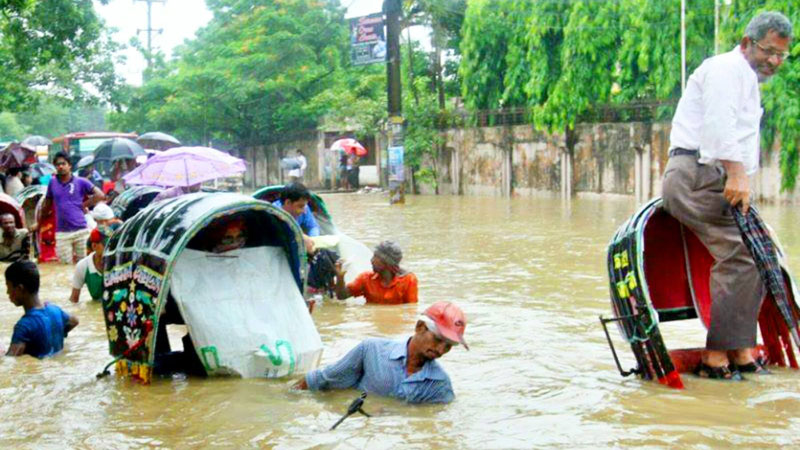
713	150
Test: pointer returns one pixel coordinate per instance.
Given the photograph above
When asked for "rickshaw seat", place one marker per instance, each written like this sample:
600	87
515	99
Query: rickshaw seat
667	270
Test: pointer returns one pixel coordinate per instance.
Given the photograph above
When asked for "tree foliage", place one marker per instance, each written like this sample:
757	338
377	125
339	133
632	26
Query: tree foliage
57	45
781	95
52	117
258	70
485	33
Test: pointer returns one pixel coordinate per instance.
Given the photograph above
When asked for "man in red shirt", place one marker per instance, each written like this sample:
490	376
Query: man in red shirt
385	284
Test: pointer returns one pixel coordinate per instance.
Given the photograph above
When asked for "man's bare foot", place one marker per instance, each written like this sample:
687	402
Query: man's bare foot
716	358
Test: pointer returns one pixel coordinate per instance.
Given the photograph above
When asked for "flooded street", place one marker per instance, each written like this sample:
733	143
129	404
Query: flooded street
529	274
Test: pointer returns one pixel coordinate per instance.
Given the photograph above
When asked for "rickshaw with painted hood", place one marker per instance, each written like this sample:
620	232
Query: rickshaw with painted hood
234	269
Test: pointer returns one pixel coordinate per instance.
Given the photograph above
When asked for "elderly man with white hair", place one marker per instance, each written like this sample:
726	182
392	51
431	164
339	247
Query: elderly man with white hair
714	149
386	284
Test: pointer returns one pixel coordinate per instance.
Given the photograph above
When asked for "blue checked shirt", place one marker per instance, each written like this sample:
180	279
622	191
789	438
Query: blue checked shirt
378	366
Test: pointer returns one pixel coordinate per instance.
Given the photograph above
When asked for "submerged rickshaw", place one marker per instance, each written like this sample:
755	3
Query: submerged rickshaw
132	200
659	272
243	308
356	255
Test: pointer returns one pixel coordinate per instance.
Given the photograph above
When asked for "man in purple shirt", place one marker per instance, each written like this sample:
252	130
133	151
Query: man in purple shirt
70	195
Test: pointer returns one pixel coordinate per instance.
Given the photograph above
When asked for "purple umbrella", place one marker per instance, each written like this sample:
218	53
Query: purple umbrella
185	166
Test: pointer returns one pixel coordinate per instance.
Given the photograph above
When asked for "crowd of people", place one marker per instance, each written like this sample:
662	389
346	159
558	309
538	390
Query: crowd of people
84	223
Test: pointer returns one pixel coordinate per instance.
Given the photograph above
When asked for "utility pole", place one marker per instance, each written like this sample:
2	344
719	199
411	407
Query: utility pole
149	30
393	9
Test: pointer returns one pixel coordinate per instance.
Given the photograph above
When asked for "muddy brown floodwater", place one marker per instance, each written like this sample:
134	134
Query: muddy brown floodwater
530	275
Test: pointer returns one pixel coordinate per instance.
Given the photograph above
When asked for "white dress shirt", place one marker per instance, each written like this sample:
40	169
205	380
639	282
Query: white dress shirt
720	111
300	171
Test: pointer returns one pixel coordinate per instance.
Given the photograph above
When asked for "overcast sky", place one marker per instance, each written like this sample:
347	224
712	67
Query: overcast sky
179	20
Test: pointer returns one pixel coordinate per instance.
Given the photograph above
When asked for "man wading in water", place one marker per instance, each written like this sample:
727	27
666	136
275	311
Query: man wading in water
386	284
405	369
713	150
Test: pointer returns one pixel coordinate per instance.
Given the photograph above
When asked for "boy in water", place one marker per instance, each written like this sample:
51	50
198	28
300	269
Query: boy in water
41	331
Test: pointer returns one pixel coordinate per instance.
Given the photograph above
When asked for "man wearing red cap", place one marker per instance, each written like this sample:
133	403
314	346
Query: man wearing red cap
406	369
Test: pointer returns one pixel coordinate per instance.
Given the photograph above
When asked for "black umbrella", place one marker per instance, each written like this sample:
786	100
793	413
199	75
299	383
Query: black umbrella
118	148
158	140
36	141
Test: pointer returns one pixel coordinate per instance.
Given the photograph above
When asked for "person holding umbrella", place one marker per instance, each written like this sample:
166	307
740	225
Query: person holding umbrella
122	153
70	196
352	151
86	169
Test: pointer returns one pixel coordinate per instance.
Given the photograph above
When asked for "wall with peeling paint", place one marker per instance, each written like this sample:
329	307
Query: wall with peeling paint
518	160
492	160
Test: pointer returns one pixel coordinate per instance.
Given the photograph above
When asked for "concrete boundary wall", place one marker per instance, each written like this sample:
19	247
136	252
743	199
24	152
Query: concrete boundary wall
609	158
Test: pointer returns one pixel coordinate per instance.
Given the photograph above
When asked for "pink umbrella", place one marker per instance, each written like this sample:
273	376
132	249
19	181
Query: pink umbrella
185	166
17	155
349	146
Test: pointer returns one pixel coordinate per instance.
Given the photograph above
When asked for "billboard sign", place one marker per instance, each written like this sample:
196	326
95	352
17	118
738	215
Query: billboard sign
367	39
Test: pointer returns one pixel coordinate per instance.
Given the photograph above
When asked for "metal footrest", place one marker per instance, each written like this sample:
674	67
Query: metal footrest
633	320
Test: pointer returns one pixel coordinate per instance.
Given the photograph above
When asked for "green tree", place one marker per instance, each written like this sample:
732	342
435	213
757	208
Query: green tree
10	128
258	70
54	117
55	45
485	35
781	95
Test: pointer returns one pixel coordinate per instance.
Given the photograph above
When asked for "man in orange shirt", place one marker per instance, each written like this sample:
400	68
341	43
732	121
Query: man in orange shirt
385	284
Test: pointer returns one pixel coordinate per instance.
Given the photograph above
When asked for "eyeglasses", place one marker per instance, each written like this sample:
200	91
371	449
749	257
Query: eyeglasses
770	53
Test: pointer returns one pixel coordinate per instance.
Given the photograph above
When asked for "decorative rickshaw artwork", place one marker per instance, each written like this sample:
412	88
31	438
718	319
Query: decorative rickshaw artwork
243	308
